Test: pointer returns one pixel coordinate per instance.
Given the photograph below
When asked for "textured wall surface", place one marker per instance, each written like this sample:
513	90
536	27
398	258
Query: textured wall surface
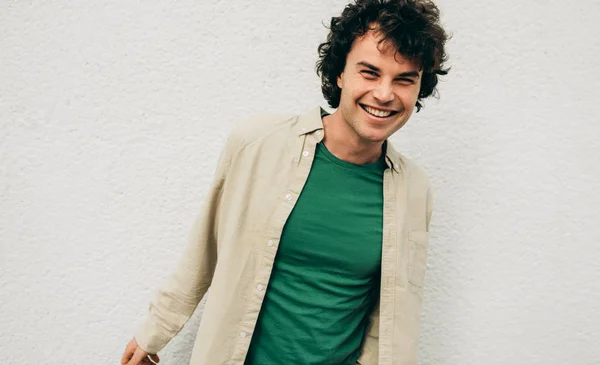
112	115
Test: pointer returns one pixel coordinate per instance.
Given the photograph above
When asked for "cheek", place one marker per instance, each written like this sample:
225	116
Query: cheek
410	96
350	96
361	91
416	92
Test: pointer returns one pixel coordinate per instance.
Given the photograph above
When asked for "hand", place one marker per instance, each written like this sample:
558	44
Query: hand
134	355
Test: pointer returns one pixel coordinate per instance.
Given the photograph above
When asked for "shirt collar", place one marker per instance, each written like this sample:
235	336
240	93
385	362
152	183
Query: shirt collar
311	122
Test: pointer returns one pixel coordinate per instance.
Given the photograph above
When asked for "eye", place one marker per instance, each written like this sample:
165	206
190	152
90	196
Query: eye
371	74
406	81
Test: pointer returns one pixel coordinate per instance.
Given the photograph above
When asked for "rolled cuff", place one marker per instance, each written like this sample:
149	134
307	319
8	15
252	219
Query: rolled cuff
150	337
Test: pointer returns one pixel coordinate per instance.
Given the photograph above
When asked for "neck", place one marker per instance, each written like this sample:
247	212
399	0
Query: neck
343	142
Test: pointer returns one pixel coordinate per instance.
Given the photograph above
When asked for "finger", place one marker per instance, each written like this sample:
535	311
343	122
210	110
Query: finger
126	356
137	357
128	353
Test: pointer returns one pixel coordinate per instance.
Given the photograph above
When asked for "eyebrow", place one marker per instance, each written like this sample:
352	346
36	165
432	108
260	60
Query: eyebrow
377	69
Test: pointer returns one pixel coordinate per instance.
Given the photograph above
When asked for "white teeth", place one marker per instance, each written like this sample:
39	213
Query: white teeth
378	113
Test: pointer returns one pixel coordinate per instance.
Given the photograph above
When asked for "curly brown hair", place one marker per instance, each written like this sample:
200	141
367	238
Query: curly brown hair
412	26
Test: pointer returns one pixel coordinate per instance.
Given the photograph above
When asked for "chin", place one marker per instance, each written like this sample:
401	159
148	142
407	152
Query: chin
374	137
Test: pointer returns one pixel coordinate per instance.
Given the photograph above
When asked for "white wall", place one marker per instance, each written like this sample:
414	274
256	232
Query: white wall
112	115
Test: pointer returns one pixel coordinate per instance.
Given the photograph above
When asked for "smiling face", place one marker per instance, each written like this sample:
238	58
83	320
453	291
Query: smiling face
379	87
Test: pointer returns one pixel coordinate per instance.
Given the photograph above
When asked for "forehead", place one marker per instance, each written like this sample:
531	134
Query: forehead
369	48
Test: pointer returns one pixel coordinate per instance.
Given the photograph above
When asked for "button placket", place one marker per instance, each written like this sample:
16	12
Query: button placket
301	163
286	202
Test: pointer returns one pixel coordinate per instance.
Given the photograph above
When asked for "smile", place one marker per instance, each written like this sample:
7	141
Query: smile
377	112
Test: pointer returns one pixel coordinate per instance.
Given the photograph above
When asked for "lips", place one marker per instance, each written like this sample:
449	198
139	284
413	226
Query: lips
378	113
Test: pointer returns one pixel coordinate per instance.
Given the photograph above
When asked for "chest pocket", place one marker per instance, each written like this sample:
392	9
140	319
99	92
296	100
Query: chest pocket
417	257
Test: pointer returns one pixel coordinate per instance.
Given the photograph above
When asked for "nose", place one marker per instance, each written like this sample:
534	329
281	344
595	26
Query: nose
383	92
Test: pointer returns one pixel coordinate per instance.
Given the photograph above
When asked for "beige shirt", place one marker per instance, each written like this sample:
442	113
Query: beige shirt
232	247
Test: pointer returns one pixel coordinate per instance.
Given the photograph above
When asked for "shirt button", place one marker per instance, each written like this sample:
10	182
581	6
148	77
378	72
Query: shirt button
259	287
318	133
288	197
270	243
305	153
243	334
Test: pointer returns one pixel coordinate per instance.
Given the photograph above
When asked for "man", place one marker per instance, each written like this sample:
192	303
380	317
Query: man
314	235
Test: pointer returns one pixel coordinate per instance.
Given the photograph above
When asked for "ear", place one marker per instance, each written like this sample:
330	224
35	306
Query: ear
340	82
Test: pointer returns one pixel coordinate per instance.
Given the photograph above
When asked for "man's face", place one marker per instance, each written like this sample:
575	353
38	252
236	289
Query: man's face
380	88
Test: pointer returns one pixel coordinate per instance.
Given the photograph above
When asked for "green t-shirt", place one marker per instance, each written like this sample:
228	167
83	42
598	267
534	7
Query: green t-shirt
325	280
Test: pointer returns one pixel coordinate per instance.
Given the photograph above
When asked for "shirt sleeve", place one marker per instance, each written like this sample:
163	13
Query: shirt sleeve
179	295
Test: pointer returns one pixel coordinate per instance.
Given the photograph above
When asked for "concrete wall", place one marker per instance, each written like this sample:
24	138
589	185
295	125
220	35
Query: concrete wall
112	115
